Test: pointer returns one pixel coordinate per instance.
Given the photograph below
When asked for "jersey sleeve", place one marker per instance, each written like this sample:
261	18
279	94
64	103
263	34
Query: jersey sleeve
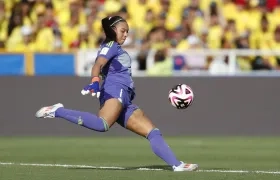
109	51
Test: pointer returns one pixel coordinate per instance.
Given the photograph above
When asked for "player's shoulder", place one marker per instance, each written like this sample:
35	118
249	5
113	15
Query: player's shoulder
111	44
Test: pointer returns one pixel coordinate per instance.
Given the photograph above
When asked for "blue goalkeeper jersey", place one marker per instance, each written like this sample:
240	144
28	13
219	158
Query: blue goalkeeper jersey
118	68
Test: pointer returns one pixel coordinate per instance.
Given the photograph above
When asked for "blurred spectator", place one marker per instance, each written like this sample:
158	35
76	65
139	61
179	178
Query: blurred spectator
178	40
276	45
58	44
154	41
230	31
149	23
242	42
26	12
262	38
195	62
3	23
73	27
220	64
172	14
27	43
84	40
229	9
163	64
15	20
193	6
216	24
72	7
137	9
51	20
112	6
261	63
15	23
43	33
64	25
204	38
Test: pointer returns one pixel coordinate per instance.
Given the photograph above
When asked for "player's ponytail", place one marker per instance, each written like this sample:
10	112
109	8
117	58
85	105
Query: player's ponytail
108	23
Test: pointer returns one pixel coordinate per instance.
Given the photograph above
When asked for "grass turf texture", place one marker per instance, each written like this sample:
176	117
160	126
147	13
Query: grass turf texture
211	153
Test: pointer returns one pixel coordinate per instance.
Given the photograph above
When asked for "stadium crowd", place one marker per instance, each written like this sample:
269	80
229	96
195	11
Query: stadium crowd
63	25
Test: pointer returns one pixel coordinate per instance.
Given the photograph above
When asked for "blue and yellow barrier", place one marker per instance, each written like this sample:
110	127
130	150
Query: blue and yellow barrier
37	64
12	64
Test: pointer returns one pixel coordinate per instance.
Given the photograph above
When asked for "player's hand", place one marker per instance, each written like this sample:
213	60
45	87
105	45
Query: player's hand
92	88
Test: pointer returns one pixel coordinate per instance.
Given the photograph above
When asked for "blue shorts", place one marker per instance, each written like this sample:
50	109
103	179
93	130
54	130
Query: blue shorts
124	94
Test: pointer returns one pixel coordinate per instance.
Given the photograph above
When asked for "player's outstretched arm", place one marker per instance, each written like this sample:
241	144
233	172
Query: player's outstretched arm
98	65
93	86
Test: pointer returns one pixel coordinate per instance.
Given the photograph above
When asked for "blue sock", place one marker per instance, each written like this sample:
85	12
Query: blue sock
85	119
161	149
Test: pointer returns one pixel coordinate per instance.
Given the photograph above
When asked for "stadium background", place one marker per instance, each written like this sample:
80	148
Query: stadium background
226	50
61	36
216	47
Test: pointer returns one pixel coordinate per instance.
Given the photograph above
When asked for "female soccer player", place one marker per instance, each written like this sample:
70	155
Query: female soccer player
115	96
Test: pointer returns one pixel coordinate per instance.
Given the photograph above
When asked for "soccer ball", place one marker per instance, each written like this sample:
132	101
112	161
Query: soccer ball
181	96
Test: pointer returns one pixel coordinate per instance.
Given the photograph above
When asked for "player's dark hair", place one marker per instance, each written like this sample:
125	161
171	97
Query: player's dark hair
108	23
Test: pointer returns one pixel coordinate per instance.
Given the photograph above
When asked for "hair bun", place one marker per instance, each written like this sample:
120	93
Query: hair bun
105	22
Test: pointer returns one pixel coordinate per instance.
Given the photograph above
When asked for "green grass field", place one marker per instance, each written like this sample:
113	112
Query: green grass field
211	153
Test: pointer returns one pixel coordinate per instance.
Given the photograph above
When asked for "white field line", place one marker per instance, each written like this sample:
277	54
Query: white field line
123	168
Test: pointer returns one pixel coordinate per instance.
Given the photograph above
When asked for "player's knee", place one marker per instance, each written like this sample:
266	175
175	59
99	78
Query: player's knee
153	133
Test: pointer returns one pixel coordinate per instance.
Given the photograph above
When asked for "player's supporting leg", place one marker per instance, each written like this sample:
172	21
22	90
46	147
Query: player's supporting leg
140	124
107	116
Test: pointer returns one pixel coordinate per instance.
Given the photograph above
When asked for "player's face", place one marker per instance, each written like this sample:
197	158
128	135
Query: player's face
121	32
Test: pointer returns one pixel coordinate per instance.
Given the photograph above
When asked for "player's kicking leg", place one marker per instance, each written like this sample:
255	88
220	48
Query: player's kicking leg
107	116
142	125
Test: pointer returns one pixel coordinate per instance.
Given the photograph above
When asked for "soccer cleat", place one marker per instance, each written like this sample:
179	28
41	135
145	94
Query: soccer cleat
48	111
185	167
